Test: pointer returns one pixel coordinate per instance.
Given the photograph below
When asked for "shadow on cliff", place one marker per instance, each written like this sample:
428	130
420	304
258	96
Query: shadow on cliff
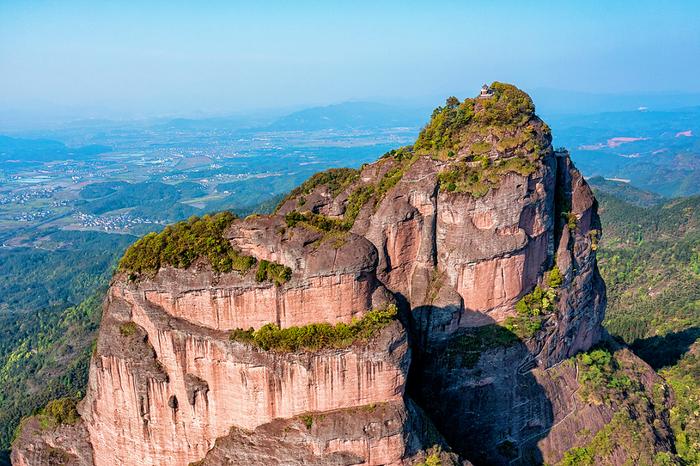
477	386
666	350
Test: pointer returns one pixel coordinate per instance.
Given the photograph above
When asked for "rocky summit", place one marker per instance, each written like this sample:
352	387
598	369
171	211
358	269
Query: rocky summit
427	308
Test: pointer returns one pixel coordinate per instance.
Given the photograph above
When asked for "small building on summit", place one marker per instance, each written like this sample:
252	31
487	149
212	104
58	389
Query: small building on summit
486	91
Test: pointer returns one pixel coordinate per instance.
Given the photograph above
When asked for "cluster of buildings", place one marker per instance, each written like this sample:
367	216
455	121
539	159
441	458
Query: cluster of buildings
32	216
22	197
112	223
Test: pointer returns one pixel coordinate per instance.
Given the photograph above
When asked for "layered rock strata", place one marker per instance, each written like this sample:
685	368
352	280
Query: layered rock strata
370	434
200	384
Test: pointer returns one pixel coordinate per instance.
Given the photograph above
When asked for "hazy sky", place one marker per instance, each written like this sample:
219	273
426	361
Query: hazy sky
131	58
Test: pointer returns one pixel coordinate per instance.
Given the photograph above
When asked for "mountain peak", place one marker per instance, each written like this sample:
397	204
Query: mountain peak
505	114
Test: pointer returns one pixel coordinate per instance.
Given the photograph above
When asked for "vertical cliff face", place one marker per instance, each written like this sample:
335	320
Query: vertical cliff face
198	384
480	234
190	383
462	258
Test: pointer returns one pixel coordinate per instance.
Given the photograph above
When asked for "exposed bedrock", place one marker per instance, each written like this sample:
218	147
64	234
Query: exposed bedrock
392	433
329	284
491	250
170	402
497	411
67	445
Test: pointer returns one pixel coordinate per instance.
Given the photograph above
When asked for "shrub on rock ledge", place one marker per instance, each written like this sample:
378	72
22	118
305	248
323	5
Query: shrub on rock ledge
59	412
313	337
181	244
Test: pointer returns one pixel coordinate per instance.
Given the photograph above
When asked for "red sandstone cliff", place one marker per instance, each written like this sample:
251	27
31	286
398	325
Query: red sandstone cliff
455	230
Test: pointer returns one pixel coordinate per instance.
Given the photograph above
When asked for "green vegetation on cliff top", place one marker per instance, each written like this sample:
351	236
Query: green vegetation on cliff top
503	124
650	261
500	133
507	108
313	337
401	159
181	244
336	179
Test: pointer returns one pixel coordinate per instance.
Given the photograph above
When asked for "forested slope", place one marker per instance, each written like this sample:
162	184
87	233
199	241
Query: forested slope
650	260
50	307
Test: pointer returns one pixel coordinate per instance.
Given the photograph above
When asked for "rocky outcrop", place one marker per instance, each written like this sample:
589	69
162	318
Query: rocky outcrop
482	234
371	434
490	250
66	445
578	418
329	284
210	383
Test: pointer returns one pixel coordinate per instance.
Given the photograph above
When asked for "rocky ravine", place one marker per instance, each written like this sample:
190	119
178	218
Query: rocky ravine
480	234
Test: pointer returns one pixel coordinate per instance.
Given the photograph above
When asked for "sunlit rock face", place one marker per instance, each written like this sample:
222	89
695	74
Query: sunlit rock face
392	433
490	250
198	384
65	445
456	231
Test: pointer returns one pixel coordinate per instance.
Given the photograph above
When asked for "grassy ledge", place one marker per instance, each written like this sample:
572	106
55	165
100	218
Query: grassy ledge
480	174
336	179
314	337
534	306
179	245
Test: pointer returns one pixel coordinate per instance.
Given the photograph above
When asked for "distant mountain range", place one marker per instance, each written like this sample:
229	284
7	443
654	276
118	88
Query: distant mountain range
44	150
352	115
625	192
657	151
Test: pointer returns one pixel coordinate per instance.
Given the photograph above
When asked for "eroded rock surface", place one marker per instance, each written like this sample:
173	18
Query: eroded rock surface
65	445
383	434
210	383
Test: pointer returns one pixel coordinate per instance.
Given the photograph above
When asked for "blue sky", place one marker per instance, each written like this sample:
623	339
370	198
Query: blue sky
218	57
